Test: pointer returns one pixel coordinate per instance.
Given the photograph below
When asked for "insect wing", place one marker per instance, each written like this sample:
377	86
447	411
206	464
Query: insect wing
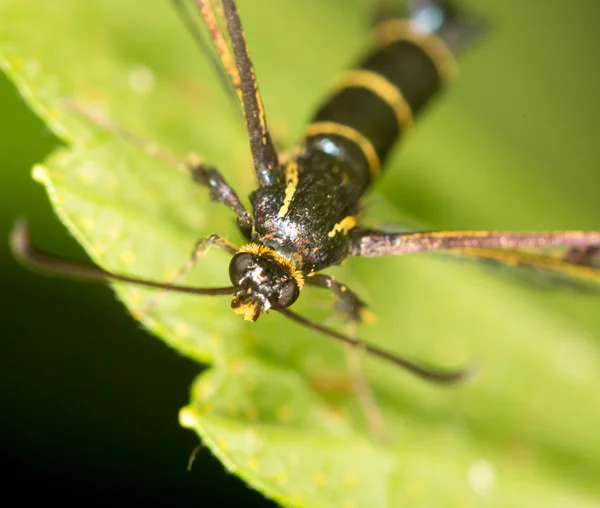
544	268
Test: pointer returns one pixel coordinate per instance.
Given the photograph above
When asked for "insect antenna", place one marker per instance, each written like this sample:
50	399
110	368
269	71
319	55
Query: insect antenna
25	252
193	456
432	374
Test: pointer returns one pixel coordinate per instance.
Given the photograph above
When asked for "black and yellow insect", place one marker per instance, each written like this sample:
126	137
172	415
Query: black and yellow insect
305	209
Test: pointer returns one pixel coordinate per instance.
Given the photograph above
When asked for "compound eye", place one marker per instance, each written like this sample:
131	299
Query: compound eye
288	294
239	265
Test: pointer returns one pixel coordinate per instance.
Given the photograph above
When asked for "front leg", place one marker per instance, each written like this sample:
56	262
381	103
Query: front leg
346	301
199	251
221	192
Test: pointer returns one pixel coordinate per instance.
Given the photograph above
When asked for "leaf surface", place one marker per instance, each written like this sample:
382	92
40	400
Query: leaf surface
522	433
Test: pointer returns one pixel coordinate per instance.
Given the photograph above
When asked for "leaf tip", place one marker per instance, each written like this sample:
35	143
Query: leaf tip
187	418
39	173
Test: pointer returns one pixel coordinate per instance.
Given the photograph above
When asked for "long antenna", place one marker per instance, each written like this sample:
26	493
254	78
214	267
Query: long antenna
25	252
425	372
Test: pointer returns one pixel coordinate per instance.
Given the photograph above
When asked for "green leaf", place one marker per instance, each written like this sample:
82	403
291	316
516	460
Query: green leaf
524	432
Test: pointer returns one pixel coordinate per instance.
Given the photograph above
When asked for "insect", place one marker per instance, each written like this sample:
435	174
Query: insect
305	209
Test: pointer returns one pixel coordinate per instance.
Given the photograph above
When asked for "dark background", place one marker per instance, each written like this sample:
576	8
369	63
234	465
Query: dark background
89	407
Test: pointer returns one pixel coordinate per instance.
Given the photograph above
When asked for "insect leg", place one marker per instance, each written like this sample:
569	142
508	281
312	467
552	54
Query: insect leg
370	408
353	307
346	301
200	250
221	192
202	174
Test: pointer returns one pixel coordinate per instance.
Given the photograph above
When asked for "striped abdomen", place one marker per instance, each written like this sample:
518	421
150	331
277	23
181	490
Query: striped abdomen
377	101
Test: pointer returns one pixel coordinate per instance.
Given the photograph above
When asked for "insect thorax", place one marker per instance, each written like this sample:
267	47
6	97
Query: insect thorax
307	215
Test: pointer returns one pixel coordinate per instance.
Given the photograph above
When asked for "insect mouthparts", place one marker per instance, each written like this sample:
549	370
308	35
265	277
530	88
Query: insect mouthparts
249	304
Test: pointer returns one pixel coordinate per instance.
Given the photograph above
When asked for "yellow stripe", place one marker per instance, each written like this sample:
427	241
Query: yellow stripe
366	147
588	238
382	88
291	180
345	225
396	30
262	250
536	261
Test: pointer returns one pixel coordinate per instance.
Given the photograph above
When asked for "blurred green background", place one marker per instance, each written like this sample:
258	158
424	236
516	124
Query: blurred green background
90	401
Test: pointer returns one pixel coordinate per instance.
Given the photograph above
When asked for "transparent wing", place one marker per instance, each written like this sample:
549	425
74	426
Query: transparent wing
567	268
205	19
556	267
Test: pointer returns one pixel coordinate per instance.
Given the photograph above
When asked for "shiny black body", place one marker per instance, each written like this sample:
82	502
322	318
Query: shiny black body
333	169
328	190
